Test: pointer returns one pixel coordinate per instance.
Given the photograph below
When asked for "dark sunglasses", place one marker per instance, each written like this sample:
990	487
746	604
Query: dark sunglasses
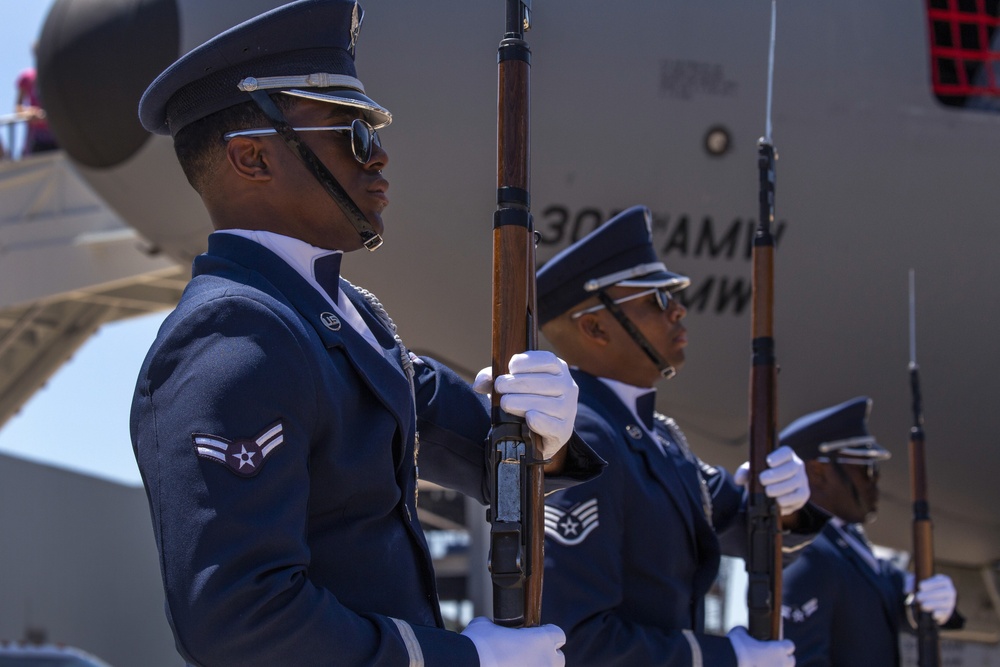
663	299
363	136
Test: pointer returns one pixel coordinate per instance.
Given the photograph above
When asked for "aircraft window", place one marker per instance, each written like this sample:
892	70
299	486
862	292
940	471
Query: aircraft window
965	52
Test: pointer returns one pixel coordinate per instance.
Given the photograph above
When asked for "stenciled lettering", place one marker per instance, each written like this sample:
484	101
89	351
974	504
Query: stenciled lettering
555	228
717	294
675	236
684	79
708	239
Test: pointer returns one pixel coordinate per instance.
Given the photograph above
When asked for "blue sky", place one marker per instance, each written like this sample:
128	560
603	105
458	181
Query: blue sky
20	23
79	420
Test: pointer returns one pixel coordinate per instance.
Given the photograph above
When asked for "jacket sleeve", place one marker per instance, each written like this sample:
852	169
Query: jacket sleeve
584	580
453	423
233	547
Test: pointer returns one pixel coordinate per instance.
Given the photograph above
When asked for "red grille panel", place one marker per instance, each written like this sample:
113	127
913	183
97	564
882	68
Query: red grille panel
965	53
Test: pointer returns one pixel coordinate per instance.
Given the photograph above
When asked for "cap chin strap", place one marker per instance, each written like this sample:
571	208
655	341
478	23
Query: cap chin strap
855	494
369	237
666	370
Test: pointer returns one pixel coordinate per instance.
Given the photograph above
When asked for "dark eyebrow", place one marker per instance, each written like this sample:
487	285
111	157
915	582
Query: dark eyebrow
337	114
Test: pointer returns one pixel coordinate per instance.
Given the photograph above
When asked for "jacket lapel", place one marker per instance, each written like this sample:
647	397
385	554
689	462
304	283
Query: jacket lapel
875	578
663	468
386	338
691	479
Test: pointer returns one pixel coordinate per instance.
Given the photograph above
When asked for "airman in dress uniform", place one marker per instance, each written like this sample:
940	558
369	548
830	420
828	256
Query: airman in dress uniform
631	555
842	605
275	418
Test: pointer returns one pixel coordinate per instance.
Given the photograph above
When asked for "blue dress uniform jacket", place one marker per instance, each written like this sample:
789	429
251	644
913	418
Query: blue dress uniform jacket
630	592
277	450
838	610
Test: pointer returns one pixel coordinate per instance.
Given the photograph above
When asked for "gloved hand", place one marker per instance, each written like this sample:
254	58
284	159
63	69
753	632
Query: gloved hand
753	653
937	596
521	647
785	479
540	389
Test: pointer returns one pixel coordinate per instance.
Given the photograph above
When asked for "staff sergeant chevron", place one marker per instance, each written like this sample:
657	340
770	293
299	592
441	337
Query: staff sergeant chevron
571	527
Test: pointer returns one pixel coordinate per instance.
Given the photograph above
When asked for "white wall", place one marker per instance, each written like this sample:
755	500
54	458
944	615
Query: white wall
78	562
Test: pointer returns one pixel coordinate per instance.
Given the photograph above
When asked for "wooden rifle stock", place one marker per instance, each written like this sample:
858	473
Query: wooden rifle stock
928	645
763	518
517	511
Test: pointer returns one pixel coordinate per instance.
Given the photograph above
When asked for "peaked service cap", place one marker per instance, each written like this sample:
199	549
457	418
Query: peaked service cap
841	430
304	48
619	252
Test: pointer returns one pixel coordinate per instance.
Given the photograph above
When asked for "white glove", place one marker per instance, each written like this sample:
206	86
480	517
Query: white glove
521	647
937	596
785	480
753	653
540	389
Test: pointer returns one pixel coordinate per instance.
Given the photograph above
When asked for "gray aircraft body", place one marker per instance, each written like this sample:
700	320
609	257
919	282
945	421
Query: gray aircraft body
655	102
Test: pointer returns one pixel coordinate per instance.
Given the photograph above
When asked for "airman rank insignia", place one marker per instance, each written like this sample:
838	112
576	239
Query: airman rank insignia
243	457
571	527
799	614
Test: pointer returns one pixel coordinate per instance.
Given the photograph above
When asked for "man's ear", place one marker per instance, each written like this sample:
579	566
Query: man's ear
247	158
819	475
592	328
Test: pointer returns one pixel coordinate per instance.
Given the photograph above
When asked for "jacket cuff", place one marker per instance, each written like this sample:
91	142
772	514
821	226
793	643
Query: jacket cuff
715	651
582	464
441	648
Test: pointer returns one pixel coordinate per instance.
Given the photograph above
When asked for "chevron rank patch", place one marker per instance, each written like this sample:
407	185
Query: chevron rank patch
243	457
570	527
801	613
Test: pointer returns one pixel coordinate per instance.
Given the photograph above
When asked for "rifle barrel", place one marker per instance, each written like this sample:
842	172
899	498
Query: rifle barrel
764	520
517	510
928	644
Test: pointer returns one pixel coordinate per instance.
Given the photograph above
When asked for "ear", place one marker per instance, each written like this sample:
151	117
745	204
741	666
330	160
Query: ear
247	158
592	328
819	475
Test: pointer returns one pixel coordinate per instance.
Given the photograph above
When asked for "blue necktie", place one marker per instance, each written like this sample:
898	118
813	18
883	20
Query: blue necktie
644	406
327	272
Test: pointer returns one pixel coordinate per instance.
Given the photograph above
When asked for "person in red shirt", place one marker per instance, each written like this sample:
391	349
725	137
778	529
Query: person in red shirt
39	137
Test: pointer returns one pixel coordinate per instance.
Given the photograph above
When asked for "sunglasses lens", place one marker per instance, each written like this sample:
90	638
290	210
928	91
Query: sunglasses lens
663	298
361	140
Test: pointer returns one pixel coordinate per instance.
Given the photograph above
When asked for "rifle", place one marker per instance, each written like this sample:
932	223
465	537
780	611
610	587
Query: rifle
763	518
516	515
928	647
